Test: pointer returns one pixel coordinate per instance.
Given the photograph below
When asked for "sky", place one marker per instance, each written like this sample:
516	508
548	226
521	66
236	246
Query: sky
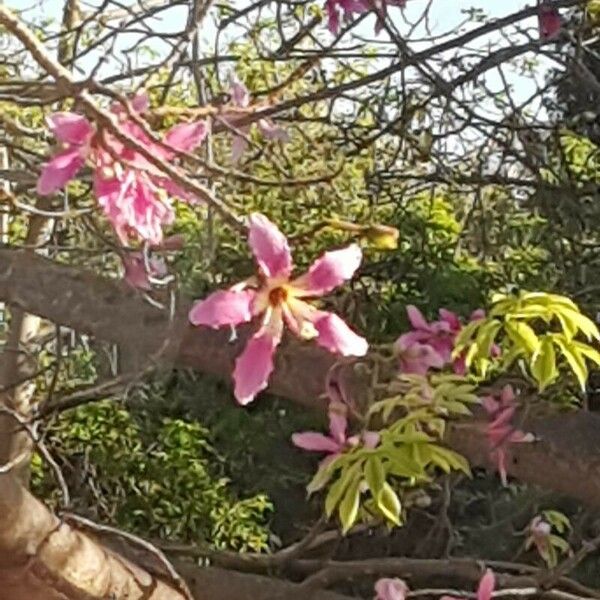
445	16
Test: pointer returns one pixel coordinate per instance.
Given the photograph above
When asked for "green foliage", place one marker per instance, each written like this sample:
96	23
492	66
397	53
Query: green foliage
156	477
407	455
523	324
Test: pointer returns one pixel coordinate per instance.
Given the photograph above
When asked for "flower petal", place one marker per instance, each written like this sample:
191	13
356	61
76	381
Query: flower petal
390	589
338	421
451	318
271	131
70	127
238	147
239	93
186	136
336	336
254	366
57	172
371	439
329	271
416	318
315	442
269	246
486	586
223	307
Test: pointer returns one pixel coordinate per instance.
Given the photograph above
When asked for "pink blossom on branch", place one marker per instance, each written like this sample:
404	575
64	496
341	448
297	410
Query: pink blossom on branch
280	300
337	441
344	9
485	588
390	589
549	22
430	345
499	431
539	534
132	192
240	96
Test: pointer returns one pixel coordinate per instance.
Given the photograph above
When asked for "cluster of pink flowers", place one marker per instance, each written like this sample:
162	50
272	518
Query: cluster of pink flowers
338	9
549	22
279	300
499	431
132	192
430	345
396	589
241	98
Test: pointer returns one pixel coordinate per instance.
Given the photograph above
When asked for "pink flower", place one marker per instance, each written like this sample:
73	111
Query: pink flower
241	98
130	190
337	441
539	532
430	345
344	8
485	589
337	9
280	300
74	132
499	431
390	589
549	23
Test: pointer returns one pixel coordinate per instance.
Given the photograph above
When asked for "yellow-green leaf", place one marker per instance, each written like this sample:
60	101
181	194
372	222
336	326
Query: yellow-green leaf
543	364
576	361
349	505
374	474
389	504
522	335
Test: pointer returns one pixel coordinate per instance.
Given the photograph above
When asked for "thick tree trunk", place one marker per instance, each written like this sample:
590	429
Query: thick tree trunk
565	459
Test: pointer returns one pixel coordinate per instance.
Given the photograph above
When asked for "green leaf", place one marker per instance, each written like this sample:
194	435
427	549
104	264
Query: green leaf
402	464
522	335
543	364
338	489
448	460
389	504
374	475
578	321
576	361
559	543
589	352
487	336
350	504
559	520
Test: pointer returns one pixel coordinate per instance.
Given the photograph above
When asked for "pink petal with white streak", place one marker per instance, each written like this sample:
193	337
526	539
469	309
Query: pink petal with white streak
486	586
315	442
336	336
223	307
269	246
330	271
186	136
416	318
58	171
254	366
238	147
70	127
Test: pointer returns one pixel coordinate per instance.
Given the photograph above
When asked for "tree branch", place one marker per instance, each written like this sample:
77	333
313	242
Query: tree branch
566	458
